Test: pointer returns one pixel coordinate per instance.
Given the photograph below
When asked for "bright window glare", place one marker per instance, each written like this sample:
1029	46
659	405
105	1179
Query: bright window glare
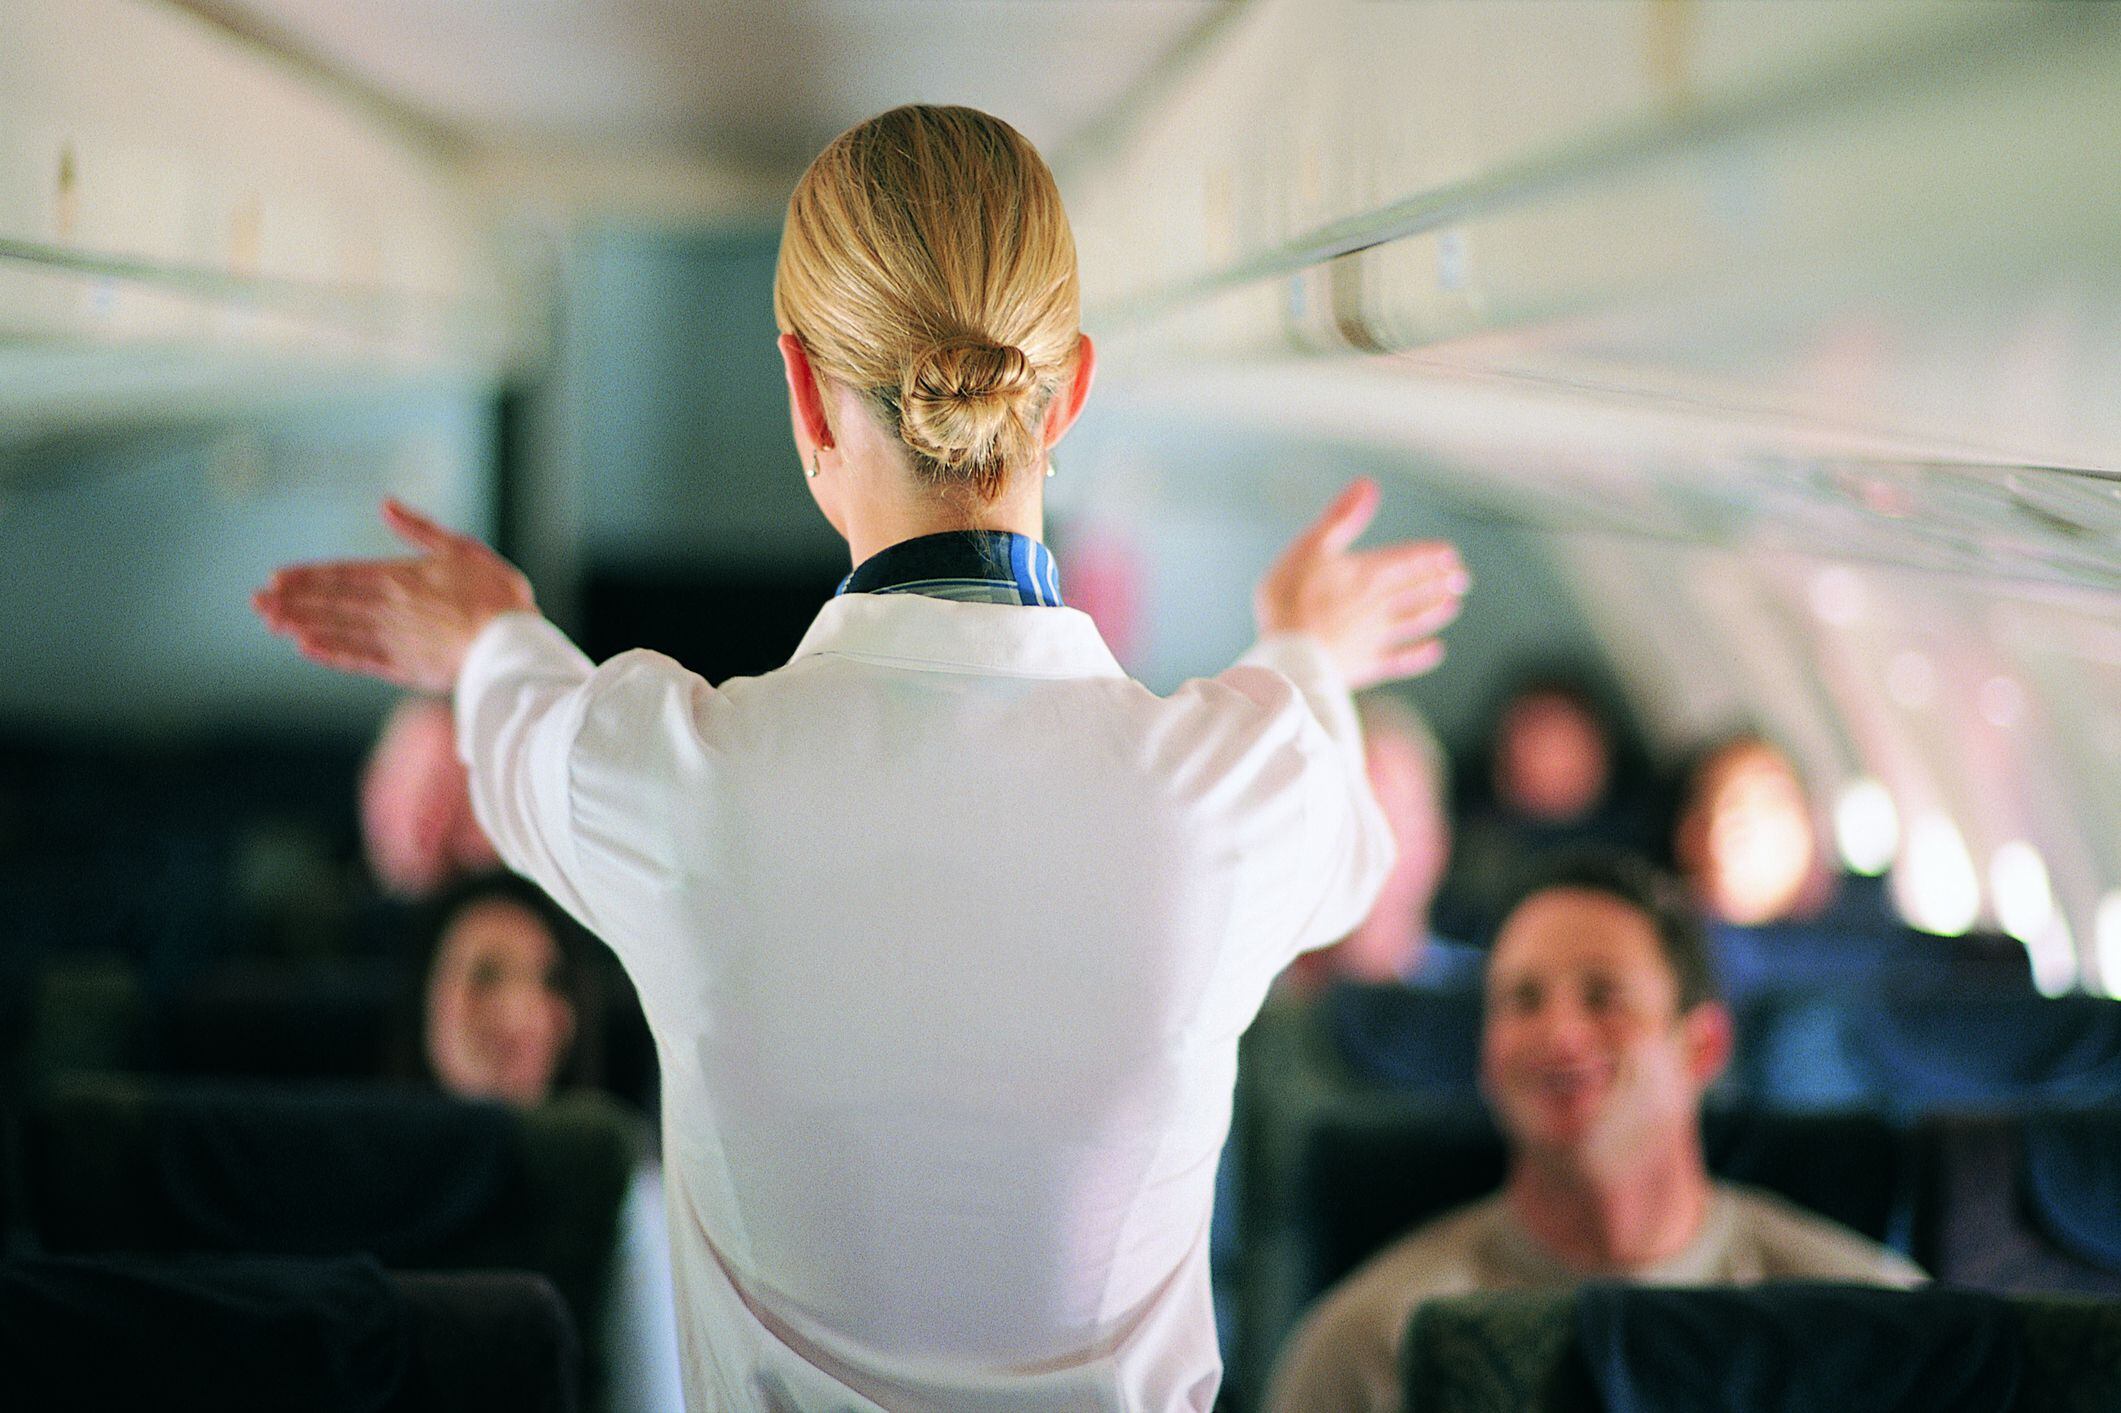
2107	931
2025	904
1935	885
2054	958
1866	827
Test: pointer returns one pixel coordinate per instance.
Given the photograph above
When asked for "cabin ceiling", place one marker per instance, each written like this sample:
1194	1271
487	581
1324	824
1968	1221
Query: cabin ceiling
758	85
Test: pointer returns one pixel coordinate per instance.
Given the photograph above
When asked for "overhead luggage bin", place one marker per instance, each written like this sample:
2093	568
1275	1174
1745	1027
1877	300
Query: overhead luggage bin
1658	237
190	224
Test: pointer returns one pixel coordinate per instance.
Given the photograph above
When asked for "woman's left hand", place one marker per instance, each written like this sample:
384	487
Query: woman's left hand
408	621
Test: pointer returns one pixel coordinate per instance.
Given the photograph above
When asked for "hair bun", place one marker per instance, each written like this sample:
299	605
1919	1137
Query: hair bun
963	400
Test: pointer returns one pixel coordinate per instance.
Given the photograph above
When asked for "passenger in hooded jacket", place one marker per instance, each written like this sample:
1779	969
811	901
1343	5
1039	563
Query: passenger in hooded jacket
946	930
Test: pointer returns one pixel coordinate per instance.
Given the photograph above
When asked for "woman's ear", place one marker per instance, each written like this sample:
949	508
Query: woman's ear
806	400
1068	406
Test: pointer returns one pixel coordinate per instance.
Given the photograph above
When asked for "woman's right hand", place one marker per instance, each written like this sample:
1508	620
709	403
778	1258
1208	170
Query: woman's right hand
1377	611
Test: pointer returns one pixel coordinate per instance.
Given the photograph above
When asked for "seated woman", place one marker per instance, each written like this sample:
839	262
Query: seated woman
1745	839
506	1010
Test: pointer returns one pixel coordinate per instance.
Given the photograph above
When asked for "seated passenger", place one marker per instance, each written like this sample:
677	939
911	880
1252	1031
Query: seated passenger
416	822
507	995
1410	779
506	1010
1558	773
1603	1030
1745	840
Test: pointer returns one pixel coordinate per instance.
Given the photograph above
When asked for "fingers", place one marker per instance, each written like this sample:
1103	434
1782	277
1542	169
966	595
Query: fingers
417	530
352	649
1423	558
1343	522
1412	661
337	579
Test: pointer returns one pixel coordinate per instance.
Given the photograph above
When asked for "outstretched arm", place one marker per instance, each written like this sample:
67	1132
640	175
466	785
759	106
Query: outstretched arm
1377	611
408	621
1334	619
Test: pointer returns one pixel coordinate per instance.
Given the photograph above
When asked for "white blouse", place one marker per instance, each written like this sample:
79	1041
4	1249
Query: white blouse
946	931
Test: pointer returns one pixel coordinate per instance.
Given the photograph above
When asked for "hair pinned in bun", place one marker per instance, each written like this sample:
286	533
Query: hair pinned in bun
965	403
925	222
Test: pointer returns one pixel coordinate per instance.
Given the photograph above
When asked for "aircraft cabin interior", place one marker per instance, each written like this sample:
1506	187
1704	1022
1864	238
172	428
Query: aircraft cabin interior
1760	359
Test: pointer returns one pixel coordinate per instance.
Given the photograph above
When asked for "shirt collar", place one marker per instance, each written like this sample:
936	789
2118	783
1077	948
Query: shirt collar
917	631
968	566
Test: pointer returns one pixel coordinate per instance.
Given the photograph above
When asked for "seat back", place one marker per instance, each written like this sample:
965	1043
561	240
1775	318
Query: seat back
416	1181
1396	1037
278	1021
230	1334
2022	1202
1921	1047
1525	1351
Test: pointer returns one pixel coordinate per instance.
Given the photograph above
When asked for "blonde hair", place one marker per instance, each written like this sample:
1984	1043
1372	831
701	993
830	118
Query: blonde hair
927	262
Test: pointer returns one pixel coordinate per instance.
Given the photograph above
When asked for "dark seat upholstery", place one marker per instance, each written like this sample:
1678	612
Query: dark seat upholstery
233	1334
2022	1203
1523	1352
276	1021
416	1181
1918	1048
1396	1037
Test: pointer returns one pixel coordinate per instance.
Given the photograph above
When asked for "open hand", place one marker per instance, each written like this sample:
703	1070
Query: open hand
408	621
1377	611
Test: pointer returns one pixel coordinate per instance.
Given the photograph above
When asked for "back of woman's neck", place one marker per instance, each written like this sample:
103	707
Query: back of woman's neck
881	523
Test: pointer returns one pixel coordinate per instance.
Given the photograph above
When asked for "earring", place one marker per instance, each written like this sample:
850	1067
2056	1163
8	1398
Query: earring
813	463
1049	468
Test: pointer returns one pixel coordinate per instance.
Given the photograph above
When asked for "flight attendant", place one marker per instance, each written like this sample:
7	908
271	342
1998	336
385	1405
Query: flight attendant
946	930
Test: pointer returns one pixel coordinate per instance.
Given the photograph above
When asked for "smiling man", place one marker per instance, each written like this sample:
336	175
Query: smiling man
1602	1032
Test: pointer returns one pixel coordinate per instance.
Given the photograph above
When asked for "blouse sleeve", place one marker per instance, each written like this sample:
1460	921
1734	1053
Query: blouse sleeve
521	696
1344	850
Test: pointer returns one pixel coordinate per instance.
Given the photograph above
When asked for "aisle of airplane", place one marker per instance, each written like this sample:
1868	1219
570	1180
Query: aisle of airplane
1759	359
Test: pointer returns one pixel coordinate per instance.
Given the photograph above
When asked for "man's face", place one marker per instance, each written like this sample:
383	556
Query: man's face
1585	1057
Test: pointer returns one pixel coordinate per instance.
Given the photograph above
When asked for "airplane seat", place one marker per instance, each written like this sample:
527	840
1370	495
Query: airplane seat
1791	1344
417	1181
1930	1046
1916	1046
1396	1037
2023	1202
84	1014
280	1021
1792	1052
230	1334
494	1339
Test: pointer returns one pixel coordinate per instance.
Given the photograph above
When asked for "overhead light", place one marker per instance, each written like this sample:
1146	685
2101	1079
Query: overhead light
1935	884
1866	827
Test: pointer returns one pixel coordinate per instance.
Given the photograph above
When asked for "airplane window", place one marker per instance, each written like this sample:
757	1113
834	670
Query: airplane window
1867	827
1936	888
2025	908
2108	940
